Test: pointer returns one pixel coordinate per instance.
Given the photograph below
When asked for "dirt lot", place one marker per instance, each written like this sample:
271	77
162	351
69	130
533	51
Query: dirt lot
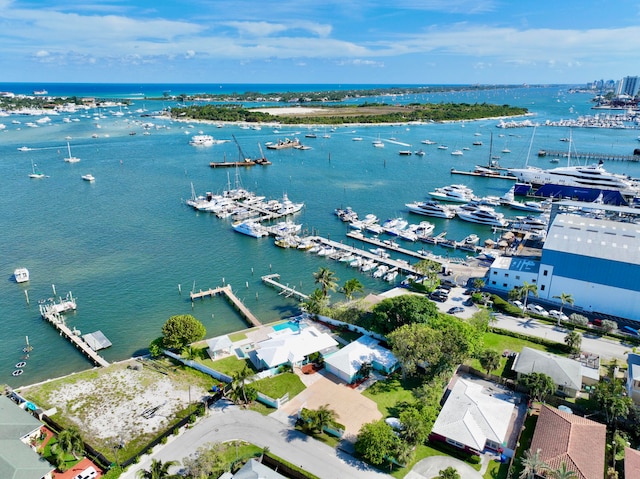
131	401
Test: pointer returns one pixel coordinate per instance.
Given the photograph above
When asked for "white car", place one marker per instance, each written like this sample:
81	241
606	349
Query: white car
554	313
537	309
518	304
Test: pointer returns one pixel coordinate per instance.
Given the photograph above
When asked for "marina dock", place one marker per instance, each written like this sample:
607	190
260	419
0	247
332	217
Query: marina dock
58	322
235	301
285	290
588	156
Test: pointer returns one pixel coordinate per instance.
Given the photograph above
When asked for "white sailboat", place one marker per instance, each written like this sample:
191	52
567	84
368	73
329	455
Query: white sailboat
36	174
70	158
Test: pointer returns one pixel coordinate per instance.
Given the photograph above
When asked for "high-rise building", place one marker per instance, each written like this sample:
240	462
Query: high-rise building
629	86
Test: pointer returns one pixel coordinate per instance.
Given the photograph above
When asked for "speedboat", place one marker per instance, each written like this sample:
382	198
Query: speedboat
346	214
289	207
457	153
432	208
21	275
533	206
201	140
455	193
428	142
529	223
393	226
363	223
88	177
251	228
484	215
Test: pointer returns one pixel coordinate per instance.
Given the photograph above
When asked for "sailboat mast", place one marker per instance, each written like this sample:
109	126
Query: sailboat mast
530	145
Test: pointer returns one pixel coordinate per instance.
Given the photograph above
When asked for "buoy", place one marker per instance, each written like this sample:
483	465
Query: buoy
17	372
21	364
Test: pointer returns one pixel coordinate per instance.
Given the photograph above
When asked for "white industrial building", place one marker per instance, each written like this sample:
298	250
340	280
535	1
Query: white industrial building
596	261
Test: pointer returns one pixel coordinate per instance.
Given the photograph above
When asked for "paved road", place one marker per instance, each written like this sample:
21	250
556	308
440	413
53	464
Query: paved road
226	423
607	349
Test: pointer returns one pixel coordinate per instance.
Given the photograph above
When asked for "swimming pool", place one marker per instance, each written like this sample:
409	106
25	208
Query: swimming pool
293	326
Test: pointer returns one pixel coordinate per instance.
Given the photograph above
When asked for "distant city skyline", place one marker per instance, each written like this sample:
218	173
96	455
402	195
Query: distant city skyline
375	42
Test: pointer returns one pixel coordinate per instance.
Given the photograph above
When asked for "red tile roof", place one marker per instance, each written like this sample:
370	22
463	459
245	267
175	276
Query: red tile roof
631	463
574	440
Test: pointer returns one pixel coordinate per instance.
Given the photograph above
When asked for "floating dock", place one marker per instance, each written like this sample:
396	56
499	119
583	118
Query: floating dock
588	156
228	292
285	290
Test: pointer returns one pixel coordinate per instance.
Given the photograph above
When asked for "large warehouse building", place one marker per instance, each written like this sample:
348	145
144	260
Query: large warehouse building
597	261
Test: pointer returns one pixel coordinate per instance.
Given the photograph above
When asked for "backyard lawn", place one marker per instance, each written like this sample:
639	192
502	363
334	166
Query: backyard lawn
389	393
277	386
228	365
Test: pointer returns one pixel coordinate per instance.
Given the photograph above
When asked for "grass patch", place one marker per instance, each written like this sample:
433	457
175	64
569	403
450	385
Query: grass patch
422	452
348	336
524	443
389	393
237	337
277	386
229	365
497	470
69	460
239	450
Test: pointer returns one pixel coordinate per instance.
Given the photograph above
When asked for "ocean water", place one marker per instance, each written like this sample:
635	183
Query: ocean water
130	250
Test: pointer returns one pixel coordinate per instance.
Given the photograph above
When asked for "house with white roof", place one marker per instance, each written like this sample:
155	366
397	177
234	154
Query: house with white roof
292	347
346	362
218	345
474	417
567	374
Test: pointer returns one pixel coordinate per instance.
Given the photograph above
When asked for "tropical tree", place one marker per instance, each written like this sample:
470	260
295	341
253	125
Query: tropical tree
376	442
573	340
158	470
207	461
565	298
389	314
413	345
532	464
415	429
429	269
70	441
326	279
539	384
404	453
181	330
364	371
448	473
352	286
478	284
526	289
611	397
562	472
489	360
239	390
316	302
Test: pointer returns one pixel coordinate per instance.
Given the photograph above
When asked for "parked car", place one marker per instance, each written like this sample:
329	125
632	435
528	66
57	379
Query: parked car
447	283
517	304
597	322
455	310
554	313
537	309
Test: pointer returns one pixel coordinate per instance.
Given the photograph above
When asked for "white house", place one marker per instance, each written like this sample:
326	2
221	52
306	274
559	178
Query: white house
346	362
293	347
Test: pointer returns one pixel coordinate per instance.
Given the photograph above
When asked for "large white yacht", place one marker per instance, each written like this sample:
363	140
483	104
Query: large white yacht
578	177
251	228
454	193
432	208
484	215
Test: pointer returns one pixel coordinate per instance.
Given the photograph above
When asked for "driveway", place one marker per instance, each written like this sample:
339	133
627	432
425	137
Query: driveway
226	422
430	467
353	410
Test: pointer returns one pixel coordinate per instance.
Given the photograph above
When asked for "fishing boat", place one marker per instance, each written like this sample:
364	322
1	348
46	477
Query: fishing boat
251	228
88	177
71	158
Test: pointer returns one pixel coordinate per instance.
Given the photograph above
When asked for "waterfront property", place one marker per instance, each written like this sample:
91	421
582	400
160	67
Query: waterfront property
566	438
18	429
292	347
591	258
346	363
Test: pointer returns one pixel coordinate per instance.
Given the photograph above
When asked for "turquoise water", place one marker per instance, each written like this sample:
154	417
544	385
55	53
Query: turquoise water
288	325
130	250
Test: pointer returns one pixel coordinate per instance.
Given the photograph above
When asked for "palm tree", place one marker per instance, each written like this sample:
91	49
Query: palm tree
70	441
564	298
326	279
527	288
574	341
562	472
489	359
158	470
351	286
532	464
478	284
324	416
238	384
316	302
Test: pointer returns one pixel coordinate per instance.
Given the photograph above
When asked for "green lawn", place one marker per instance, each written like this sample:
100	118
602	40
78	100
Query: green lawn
276	386
229	365
422	452
389	393
496	470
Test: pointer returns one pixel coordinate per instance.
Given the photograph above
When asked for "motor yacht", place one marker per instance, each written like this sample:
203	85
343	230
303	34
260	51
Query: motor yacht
432	208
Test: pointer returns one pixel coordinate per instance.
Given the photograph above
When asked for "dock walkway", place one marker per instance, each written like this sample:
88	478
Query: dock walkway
284	289
58	322
235	301
589	156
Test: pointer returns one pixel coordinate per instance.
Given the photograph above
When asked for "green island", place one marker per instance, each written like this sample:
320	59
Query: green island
346	114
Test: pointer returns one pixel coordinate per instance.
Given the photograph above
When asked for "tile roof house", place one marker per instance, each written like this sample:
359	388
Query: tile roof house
474	417
566	373
346	362
577	441
17	458
631	463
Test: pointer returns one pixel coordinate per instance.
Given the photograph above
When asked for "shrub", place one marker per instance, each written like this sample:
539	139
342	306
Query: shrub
475	459
163	440
578	319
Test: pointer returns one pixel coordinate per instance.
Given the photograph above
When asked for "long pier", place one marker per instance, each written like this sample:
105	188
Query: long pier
58	322
588	156
228	292
284	289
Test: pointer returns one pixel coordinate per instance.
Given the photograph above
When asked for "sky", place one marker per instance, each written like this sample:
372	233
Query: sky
320	41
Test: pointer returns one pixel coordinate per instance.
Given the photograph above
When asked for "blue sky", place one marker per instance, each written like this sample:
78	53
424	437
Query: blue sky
321	41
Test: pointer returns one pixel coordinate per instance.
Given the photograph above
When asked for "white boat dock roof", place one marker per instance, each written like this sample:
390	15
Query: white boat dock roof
96	340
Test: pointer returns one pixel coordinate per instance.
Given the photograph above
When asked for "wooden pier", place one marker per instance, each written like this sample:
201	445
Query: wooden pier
284	289
588	156
228	292
57	321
